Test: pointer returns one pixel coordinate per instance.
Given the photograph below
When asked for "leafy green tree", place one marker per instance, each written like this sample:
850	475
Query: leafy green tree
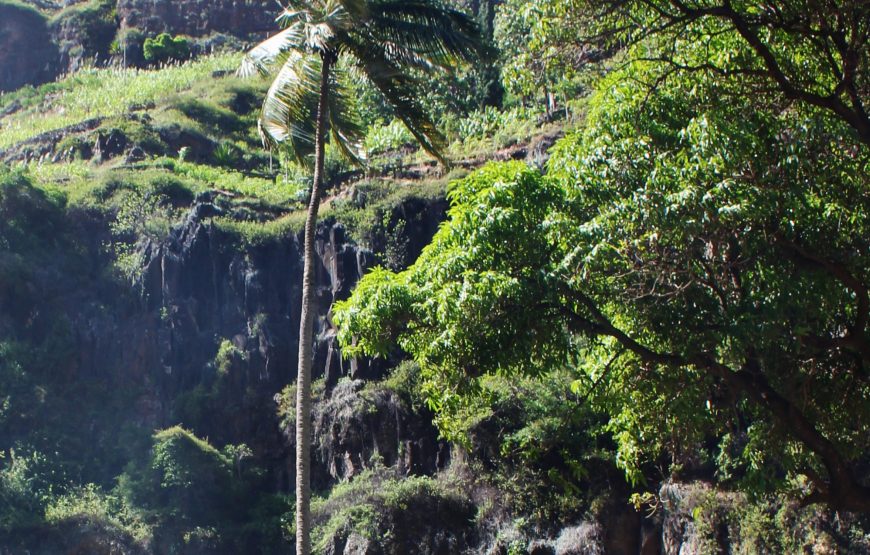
382	41
164	48
539	48
803	51
697	255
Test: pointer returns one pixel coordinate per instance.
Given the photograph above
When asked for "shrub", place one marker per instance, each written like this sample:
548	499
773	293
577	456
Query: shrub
165	48
91	503
382	138
186	479
227	155
92	24
397	515
22	490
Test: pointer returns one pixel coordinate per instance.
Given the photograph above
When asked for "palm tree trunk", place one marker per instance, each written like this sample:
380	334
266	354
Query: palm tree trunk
306	326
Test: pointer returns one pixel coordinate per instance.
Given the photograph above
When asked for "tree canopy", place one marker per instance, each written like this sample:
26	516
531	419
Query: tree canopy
697	255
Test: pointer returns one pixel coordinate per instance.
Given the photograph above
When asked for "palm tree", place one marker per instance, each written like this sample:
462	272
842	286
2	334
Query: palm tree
323	41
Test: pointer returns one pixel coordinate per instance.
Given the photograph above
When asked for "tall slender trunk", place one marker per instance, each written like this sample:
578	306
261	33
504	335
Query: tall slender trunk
306	326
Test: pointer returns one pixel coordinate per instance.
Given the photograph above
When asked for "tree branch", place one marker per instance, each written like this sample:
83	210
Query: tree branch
841	491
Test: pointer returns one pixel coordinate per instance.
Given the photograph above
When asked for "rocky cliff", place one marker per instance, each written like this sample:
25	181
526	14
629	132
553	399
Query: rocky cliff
199	289
27	53
37	45
199	17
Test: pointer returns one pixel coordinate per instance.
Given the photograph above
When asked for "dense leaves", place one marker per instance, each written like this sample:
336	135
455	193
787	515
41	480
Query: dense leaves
699	263
164	48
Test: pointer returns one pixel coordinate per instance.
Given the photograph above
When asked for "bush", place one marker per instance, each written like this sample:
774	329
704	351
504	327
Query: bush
186	479
392	515
22	489
95	506
165	48
383	138
91	24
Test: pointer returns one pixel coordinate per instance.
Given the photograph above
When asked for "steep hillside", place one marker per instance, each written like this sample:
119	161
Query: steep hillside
150	298
163	291
43	40
28	54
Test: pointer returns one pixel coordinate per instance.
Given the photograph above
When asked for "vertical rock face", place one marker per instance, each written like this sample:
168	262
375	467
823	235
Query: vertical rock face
201	287
206	289
27	54
356	425
199	17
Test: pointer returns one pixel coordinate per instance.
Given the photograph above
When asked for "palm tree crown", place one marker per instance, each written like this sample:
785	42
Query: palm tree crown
382	41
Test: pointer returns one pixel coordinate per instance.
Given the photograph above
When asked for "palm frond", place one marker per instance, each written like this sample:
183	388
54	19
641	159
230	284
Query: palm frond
291	16
403	94
442	35
263	57
345	125
358	10
386	38
289	105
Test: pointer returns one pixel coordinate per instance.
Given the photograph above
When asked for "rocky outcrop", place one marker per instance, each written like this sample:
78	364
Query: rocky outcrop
200	287
44	147
27	53
34	50
199	17
358	426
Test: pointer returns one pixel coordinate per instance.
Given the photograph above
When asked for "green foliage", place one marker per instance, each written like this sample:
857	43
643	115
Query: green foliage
274	193
540	47
770	524
96	507
382	138
74	147
541	446
286	401
450	290
164	48
390	511
137	132
381	44
482	132
23	489
227	155
129	43
28	216
142	215
192	495
186	463
675	224
227	354
404	380
187	481
216	119
369	213
91	23
256	234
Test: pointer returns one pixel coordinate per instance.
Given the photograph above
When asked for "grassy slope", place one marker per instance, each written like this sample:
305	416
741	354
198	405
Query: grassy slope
95	93
197	97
